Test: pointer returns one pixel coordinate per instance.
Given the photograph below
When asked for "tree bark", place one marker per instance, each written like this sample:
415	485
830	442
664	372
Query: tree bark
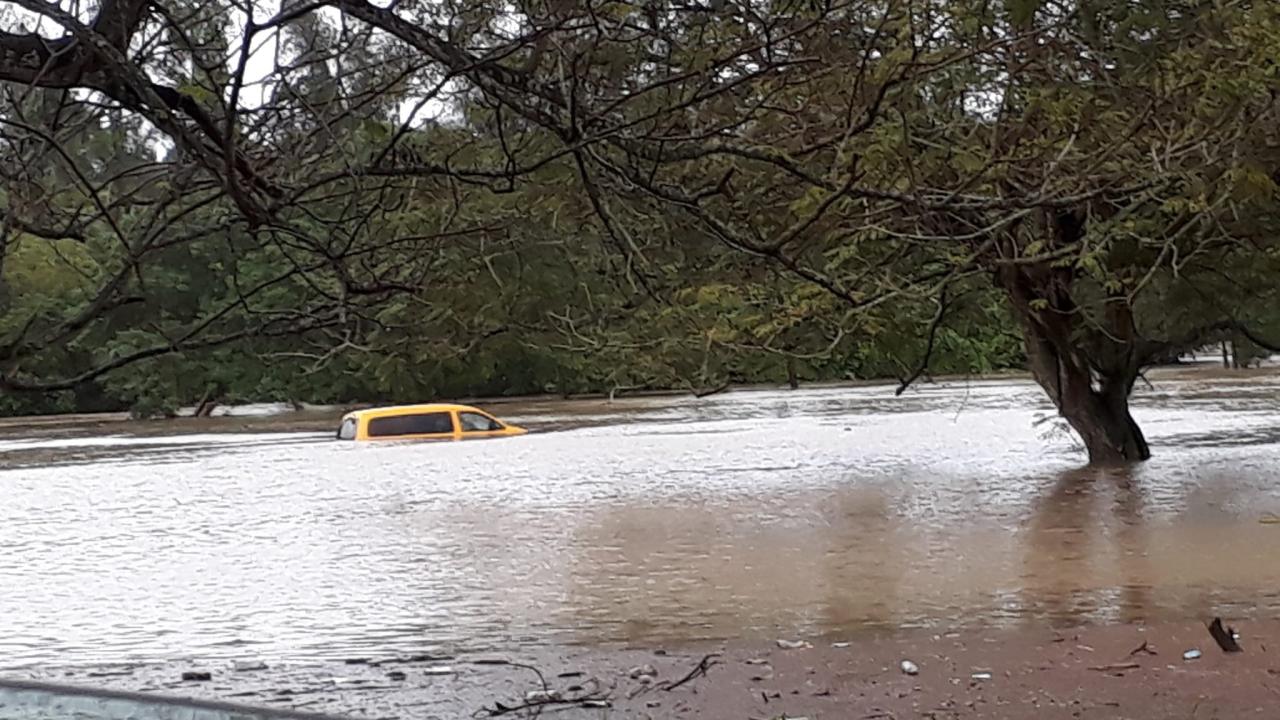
1096	408
1096	405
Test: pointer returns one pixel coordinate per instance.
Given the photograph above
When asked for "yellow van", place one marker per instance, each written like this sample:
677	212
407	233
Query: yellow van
423	422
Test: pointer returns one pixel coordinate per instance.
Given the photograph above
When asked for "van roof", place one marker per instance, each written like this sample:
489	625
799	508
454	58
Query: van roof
409	409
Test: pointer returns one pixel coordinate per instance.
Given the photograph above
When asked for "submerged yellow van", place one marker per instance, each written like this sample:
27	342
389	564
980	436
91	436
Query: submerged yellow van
423	422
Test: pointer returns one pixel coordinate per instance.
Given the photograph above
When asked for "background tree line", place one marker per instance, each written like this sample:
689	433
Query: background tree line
337	200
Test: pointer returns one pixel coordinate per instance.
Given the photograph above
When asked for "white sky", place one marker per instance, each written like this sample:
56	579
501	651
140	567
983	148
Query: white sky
266	47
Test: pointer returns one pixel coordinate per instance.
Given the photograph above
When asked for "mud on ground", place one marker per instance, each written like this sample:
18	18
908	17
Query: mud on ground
1121	671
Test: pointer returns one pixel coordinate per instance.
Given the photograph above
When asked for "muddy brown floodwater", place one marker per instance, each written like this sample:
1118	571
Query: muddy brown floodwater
652	522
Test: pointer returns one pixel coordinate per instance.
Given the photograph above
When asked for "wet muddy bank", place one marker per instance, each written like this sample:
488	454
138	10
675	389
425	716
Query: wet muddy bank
1132	671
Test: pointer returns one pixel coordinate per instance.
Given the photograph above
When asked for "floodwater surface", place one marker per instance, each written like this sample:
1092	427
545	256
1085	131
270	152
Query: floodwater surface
755	514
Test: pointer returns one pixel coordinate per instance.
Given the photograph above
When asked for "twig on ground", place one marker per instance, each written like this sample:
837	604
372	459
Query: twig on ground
541	678
584	702
1113	667
1144	649
704	665
593	698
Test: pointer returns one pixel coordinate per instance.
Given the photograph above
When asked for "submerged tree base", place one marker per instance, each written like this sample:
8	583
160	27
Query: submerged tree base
1107	428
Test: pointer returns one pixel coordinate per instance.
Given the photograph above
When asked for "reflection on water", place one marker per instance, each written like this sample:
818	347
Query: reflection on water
642	521
1088	522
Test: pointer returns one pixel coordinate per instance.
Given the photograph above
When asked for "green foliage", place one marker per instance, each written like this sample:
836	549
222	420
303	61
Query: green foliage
729	222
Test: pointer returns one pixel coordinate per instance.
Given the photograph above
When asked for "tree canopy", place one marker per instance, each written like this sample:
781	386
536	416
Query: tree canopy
340	199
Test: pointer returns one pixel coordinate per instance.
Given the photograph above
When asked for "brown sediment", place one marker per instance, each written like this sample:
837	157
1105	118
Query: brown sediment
1116	671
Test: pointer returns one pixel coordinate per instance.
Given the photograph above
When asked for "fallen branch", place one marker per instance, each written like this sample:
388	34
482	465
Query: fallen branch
537	700
716	390
585	702
1145	649
704	665
511	663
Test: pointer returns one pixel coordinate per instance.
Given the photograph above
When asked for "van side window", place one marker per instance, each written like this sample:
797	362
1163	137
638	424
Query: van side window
439	423
475	422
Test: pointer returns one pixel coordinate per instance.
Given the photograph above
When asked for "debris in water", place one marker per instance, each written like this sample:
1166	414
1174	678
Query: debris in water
196	676
794	644
981	676
248	665
909	668
1225	637
840	645
440	670
1192	654
757	661
542	696
396	675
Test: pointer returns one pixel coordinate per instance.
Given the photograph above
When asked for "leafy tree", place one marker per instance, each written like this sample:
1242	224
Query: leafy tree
640	194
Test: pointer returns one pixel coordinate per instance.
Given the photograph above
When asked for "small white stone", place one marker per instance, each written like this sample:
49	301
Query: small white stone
640	671
794	644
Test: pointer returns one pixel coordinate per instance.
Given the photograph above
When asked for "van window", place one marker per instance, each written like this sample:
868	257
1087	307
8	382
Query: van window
475	422
425	424
347	430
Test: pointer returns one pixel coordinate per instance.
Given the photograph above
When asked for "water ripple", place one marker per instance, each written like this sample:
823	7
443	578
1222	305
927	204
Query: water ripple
652	520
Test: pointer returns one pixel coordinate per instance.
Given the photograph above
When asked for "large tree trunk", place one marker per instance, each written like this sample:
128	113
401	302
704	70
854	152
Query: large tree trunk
1096	408
1094	402
1105	425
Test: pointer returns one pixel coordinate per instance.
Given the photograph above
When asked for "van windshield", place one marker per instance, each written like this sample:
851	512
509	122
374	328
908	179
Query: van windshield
347	430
